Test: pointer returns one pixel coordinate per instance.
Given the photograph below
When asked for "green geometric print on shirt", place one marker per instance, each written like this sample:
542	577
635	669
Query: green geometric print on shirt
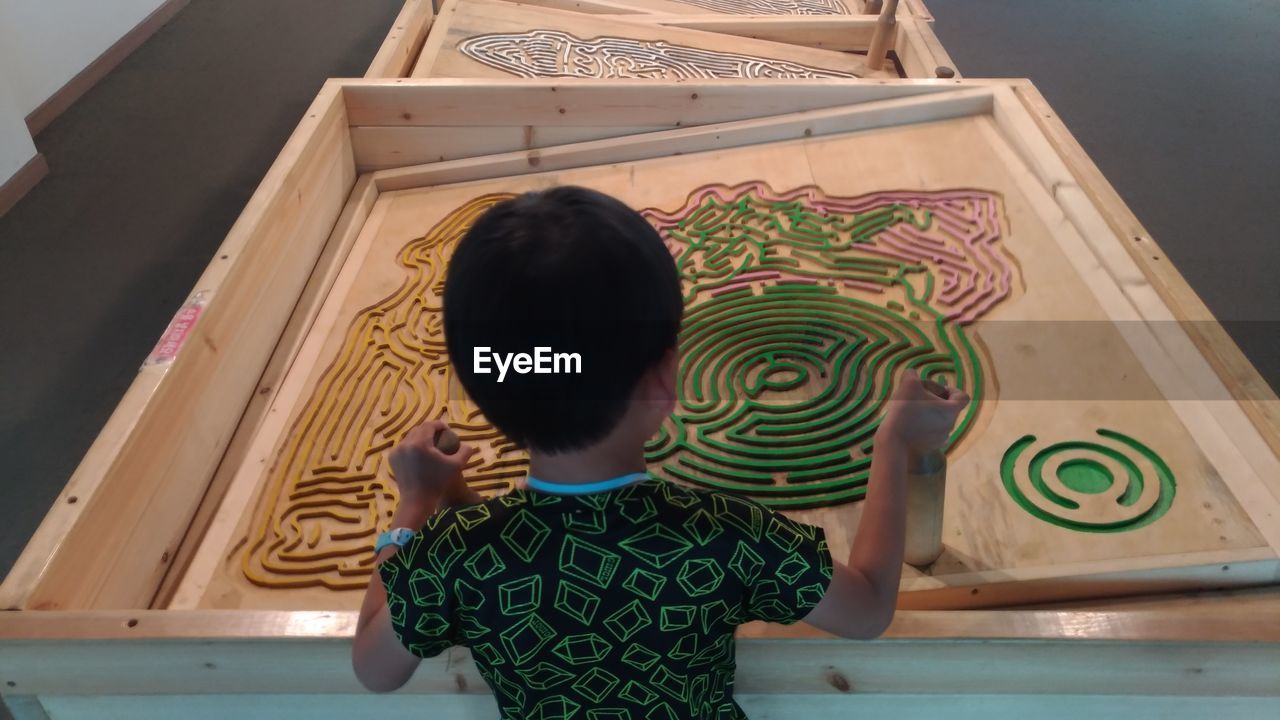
607	606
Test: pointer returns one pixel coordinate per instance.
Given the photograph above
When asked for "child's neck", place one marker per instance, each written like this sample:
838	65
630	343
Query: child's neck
602	461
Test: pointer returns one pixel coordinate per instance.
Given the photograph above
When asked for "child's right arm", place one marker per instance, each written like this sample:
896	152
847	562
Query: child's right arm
860	601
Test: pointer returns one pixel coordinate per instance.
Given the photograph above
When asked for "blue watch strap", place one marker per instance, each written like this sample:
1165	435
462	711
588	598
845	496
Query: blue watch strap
397	536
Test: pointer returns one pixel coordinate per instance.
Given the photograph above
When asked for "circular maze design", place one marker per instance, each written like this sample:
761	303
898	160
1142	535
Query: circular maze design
1114	484
801	309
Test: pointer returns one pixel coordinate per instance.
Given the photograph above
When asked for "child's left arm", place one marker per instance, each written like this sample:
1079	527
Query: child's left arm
426	478
381	662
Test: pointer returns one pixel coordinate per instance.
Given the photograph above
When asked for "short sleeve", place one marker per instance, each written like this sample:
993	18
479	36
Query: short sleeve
422	611
784	565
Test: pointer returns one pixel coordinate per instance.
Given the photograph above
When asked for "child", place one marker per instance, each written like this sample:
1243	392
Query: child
597	591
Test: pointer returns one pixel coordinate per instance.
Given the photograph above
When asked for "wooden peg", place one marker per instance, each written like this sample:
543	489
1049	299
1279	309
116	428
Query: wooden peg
885	26
926	492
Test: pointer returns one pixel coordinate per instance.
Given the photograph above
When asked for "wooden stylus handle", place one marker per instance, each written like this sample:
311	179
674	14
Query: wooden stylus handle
926	491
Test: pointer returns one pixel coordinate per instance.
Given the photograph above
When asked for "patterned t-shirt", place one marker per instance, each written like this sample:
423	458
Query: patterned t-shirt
609	606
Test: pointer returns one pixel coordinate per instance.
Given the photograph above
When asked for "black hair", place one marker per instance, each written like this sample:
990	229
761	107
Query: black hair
573	270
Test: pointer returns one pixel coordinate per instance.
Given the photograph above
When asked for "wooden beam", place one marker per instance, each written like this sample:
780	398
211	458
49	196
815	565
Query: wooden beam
116	525
1167	653
327	266
489	103
920	53
695	139
852	704
400	50
1245	383
883	35
828	32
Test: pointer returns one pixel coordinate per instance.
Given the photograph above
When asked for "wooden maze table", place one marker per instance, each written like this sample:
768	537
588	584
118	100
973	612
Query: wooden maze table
497	38
207	556
914	9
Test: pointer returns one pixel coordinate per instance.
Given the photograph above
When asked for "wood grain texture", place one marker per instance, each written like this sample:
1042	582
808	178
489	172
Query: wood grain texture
145	475
1075	653
404	42
996	554
765	707
588	42
770	8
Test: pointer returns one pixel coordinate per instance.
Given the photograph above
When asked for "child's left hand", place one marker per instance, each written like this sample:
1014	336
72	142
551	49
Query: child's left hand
421	471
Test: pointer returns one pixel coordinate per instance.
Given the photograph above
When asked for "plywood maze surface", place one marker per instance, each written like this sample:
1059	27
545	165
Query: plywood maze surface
814	273
491	38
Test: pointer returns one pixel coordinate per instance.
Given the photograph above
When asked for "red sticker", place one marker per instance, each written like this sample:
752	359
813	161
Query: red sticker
178	331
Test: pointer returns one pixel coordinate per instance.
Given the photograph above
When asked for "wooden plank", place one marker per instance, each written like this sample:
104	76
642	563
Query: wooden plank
142	480
1242	379
435	40
913	9
349	224
941	652
404	42
828	32
378	148
1162	558
1194	388
1255	602
592	7
1025	586
920	53
631	43
244	470
497	103
765	707
1203	621
687	140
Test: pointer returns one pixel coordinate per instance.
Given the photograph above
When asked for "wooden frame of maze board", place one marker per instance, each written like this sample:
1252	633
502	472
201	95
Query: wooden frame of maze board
823	43
399	51
135	512
908	9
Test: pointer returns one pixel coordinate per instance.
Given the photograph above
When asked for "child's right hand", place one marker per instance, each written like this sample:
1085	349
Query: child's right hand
918	417
420	470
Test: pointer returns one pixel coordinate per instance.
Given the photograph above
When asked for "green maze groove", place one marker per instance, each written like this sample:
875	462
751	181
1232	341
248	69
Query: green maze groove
800	311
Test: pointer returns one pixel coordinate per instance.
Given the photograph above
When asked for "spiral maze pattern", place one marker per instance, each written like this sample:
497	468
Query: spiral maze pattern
1112	484
800	311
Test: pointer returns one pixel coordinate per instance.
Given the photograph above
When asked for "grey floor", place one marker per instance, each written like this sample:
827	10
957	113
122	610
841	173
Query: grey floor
149	171
1175	99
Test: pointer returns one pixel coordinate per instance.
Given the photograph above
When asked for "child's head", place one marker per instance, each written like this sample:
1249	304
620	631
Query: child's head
578	272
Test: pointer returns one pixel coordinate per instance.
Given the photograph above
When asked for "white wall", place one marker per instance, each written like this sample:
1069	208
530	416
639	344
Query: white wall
45	43
16	148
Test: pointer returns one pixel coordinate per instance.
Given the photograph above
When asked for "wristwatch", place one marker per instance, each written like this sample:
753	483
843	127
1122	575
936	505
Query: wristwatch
397	536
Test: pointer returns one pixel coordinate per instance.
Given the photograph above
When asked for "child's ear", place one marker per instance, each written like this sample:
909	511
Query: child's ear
658	386
667	370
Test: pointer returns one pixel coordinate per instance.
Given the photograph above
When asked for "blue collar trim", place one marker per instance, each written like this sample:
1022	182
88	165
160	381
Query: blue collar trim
586	488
